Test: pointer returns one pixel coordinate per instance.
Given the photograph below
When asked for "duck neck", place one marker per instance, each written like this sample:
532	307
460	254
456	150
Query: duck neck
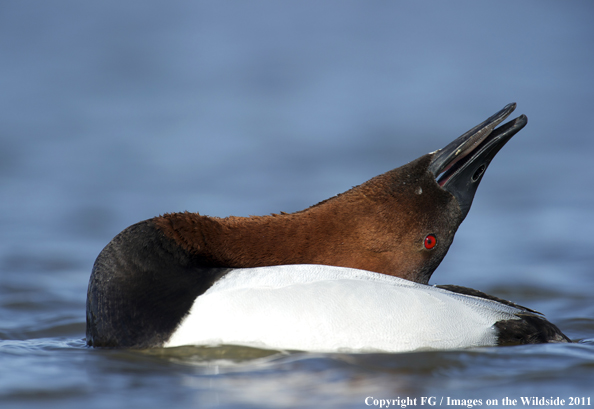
341	231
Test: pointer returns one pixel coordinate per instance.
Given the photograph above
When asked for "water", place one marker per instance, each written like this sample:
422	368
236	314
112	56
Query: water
113	113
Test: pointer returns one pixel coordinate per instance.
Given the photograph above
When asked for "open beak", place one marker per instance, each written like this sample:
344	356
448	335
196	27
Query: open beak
459	167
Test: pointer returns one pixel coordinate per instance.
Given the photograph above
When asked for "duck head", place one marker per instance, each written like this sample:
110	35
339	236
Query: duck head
426	200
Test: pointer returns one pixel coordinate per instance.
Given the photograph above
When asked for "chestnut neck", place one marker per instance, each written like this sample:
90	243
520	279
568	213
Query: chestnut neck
360	228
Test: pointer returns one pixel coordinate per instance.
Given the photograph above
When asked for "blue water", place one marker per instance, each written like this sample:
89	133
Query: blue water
113	112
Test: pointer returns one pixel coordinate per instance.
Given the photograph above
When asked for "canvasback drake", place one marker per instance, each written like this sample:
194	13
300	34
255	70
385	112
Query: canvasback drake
348	274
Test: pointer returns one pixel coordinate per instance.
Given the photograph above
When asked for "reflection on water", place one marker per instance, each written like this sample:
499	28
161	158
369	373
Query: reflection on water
214	355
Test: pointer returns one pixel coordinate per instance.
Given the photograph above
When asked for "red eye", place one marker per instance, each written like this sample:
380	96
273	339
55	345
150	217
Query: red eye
430	241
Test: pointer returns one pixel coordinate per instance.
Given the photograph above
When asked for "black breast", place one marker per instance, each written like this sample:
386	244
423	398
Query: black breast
141	287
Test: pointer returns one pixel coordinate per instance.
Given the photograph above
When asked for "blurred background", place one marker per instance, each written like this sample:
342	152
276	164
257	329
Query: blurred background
113	112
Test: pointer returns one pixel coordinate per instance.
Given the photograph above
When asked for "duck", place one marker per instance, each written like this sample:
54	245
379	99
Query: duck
350	273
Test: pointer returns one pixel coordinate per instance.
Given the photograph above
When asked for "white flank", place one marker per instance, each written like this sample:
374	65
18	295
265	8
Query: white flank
334	309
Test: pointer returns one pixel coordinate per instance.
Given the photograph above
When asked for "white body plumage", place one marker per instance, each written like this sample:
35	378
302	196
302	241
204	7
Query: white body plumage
333	309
